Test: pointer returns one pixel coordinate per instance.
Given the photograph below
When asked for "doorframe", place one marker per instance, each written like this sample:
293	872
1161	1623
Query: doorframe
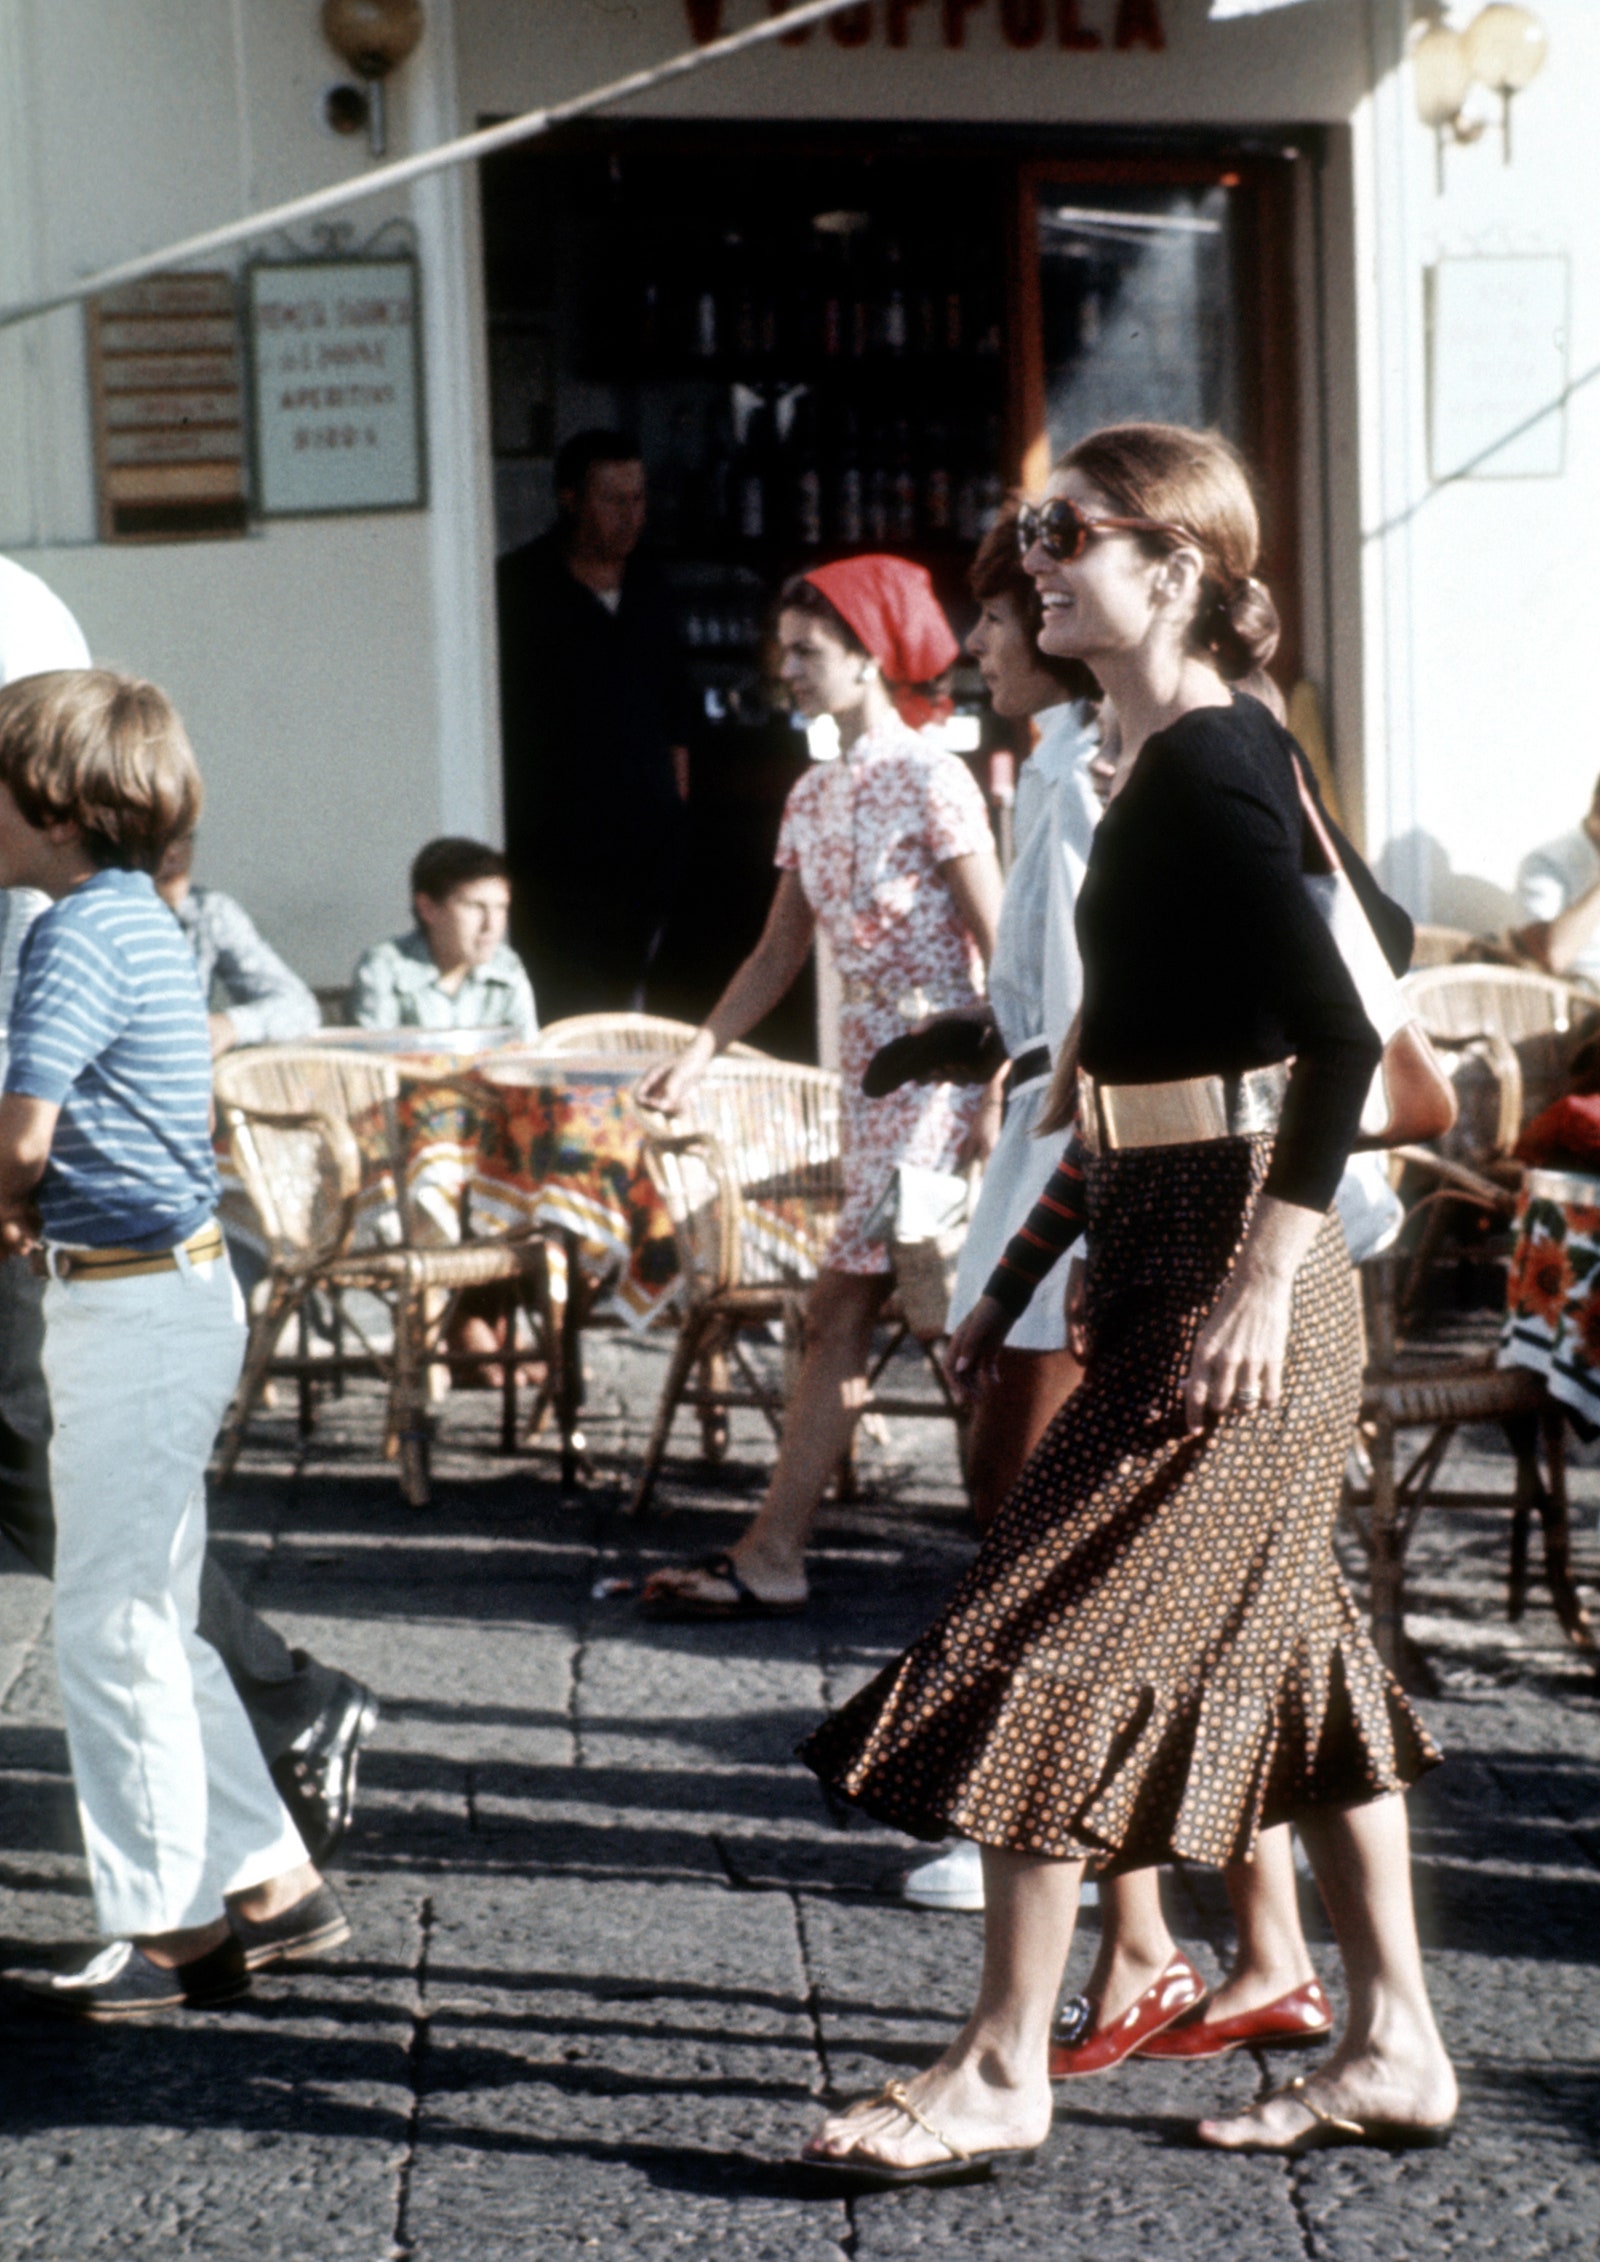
1269	371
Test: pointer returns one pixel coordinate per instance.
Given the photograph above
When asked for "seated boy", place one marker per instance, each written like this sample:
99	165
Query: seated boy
455	970
106	1172
258	1000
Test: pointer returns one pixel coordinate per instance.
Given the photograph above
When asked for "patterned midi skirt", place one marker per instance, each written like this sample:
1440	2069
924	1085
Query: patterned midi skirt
1153	1653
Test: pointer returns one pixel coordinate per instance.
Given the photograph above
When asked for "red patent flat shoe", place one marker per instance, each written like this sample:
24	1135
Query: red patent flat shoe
1075	2051
1294	2022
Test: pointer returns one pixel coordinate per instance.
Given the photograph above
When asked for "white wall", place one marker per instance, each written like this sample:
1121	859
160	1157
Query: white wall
336	674
1482	595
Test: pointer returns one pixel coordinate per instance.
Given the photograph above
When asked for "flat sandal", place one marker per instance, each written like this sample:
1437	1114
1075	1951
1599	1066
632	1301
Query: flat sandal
1328	2131
961	2167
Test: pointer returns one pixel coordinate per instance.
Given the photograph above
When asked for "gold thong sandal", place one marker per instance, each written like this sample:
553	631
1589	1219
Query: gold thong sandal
1329	2130
961	2167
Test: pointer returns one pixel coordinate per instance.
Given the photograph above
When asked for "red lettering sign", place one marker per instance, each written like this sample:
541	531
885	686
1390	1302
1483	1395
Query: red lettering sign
900	21
1139	24
1022	22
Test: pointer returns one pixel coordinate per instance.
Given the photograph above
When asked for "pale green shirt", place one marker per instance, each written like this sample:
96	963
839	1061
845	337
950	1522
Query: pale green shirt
397	986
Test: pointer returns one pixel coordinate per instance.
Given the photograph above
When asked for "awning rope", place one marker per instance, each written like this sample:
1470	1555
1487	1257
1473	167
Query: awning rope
464	150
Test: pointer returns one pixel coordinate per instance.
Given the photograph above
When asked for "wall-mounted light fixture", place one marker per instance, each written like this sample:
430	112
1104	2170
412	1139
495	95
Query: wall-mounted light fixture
374	37
1503	48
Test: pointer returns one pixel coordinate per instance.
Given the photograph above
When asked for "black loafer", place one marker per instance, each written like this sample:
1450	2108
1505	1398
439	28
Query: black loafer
121	1983
312	1925
316	1776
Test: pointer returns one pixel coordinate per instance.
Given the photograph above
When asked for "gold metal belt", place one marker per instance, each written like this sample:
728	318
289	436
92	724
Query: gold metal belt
201	1248
1114	1116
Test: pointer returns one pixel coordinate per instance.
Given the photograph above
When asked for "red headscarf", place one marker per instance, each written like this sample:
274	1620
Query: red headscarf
891	606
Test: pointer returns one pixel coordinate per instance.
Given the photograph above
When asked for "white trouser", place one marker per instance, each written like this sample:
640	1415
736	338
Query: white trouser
177	1805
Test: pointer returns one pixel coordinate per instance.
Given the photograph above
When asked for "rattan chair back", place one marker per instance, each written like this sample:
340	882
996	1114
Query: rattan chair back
1506	1034
291	1114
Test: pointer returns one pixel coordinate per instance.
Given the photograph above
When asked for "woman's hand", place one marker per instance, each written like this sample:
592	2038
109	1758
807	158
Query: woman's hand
667	1087
1238	1358
972	1351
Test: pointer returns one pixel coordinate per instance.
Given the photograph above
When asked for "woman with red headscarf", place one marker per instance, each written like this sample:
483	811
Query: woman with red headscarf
889	850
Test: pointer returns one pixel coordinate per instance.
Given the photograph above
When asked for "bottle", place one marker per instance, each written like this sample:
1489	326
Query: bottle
752	476
938	501
858	337
849	506
828	255
991	486
705	323
743	321
894	321
879	484
805	484
903	505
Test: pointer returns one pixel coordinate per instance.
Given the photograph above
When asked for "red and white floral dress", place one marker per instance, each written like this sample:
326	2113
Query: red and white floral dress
867	834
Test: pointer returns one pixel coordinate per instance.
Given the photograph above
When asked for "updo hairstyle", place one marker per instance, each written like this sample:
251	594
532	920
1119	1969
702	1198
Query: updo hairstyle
1194	480
996	571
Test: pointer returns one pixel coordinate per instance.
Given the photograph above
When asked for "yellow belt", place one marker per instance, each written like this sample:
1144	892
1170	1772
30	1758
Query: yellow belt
1181	1114
201	1248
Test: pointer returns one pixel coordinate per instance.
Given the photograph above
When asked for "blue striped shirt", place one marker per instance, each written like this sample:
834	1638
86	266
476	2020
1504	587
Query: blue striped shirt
109	1024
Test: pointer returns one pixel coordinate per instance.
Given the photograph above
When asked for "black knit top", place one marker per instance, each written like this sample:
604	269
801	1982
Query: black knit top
1204	954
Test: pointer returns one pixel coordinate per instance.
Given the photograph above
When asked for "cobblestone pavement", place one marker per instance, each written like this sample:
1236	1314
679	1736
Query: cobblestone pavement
611	1947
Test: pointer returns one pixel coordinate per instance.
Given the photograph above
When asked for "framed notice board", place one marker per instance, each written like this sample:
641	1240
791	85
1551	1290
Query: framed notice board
168	401
1497	346
336	385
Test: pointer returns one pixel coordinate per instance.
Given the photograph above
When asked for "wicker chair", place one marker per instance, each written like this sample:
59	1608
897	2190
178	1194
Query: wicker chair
754	1192
289	1111
627	1034
1505	1035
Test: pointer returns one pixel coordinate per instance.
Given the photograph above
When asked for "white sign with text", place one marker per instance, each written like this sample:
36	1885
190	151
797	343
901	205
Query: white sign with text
336	386
1498	349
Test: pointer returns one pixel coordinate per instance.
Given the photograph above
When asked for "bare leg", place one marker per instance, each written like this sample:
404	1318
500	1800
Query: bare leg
1029	1390
991	2088
1390	2063
824	1409
1135	1945
1270	1958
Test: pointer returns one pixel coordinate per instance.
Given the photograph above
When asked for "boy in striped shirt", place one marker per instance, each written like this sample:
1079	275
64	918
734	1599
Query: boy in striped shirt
107	1176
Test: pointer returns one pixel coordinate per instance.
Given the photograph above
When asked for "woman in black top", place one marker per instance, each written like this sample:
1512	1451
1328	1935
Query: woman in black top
1154	1654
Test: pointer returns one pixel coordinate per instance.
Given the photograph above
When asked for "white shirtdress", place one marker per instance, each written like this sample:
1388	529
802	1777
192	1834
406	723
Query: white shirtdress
1035	984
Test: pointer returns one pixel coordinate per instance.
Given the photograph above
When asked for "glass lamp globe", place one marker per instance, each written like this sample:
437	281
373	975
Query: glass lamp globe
373	36
1505	47
1443	74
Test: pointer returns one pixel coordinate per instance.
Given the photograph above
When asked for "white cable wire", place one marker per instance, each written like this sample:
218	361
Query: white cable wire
465	149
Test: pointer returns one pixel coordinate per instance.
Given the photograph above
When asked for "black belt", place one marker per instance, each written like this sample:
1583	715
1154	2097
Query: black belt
1027	1065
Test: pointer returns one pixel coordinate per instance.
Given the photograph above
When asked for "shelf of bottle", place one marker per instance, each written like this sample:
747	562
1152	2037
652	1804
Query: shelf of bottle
965	373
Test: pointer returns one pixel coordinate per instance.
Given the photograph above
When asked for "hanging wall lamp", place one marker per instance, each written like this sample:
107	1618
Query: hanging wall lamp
1503	48
374	37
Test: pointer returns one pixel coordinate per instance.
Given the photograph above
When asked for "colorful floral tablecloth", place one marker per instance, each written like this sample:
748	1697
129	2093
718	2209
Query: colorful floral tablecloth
1553	1293
507	1146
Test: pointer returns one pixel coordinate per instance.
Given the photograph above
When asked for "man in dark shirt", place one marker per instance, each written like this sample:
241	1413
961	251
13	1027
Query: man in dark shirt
595	714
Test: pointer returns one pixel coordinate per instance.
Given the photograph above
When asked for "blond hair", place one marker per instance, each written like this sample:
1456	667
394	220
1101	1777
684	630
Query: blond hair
104	752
